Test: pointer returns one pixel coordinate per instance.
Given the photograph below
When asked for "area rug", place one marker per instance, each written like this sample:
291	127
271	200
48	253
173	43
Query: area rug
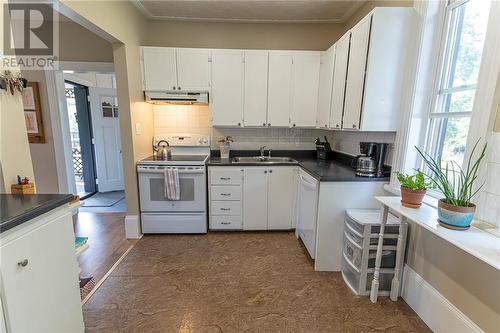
104	199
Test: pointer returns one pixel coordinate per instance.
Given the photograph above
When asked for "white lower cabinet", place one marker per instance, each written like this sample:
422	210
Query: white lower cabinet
264	200
39	274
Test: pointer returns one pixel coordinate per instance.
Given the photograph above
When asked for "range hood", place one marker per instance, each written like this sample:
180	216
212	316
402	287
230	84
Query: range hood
176	97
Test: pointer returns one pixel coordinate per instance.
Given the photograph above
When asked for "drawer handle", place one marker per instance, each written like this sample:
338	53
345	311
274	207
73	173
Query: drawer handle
225	178
225	209
225	194
23	263
225	223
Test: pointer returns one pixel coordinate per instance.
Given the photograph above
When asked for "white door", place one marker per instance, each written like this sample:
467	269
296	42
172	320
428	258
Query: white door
158	68
107	142
255	198
279	96
255	95
281	195
193	69
305	88
227	88
325	88
339	80
43	295
358	53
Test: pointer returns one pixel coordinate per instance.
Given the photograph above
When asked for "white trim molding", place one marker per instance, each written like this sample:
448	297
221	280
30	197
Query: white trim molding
434	309
133	227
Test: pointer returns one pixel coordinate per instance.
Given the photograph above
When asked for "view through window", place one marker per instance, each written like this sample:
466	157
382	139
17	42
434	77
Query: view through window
462	47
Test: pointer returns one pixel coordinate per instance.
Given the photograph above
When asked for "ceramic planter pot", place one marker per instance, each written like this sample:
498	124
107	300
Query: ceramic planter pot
412	198
455	217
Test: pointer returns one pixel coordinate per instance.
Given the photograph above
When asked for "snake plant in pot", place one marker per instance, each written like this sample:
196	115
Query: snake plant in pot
413	188
455	210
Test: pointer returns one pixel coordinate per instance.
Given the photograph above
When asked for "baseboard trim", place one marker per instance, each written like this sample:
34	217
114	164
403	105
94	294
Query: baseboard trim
133	227
434	309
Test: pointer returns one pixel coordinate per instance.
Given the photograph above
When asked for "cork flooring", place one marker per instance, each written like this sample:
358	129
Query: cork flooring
234	282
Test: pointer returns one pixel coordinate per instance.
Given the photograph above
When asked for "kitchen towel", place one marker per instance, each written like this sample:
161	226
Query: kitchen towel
171	186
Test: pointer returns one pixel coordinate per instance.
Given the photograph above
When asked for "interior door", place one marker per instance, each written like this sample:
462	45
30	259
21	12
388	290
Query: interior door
255	198
325	88
339	80
279	97
305	88
158	68
255	93
358	54
107	142
281	195
227	88
193	69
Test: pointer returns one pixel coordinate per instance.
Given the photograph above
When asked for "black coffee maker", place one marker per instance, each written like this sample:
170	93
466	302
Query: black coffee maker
371	161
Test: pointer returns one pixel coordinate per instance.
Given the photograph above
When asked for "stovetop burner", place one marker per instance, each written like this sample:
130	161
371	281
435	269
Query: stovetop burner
176	159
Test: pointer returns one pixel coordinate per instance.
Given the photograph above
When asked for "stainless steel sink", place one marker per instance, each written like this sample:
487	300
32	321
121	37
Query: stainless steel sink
265	160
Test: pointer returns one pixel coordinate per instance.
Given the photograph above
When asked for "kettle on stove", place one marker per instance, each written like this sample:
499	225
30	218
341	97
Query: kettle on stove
162	151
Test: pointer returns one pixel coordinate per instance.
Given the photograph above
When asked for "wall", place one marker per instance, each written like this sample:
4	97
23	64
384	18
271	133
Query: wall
79	44
43	154
300	36
369	5
122	24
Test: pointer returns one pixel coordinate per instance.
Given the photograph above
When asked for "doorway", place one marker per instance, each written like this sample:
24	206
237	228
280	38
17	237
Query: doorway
82	150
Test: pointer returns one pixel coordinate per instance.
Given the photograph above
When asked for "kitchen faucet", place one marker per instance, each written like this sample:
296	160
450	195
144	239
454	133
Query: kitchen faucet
262	151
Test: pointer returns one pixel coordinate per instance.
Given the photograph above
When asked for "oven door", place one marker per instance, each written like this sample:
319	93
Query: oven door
192	181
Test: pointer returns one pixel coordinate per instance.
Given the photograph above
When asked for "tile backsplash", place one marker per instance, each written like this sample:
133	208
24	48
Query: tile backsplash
196	119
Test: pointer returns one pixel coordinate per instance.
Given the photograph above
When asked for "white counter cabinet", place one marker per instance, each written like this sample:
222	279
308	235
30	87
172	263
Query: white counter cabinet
39	275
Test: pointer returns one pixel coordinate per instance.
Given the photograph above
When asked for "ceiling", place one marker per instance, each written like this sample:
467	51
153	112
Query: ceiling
336	11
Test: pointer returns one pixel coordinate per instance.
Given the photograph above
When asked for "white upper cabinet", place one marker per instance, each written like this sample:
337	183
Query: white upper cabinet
193	69
339	79
325	87
279	96
255	88
158	68
360	36
227	88
305	88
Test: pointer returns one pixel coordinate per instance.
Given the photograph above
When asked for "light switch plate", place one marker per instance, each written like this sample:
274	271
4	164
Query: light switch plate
138	129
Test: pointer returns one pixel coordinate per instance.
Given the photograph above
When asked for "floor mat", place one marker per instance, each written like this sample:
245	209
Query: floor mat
105	199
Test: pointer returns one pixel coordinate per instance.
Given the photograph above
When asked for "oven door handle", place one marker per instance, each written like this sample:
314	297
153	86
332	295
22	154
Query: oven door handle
181	171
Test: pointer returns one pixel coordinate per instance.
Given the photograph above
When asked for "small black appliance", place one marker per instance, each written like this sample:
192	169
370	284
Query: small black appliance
371	161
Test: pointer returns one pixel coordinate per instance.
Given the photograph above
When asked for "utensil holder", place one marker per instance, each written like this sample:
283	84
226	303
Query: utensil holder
225	149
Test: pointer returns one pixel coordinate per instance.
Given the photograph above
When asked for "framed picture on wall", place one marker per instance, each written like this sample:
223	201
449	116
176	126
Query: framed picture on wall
33	113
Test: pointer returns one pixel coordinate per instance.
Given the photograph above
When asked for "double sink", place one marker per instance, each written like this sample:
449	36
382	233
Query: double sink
264	160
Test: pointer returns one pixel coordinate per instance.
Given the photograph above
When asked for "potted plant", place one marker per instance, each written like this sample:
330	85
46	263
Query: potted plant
225	146
455	210
413	188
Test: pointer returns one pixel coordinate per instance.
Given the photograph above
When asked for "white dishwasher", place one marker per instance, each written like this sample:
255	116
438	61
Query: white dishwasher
307	211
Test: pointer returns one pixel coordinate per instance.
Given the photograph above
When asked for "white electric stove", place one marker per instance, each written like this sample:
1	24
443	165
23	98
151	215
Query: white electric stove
190	153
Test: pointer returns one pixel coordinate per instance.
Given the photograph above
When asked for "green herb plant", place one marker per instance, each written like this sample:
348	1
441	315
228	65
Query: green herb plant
456	184
416	182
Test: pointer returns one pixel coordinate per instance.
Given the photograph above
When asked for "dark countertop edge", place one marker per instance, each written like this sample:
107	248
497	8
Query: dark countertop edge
301	156
35	211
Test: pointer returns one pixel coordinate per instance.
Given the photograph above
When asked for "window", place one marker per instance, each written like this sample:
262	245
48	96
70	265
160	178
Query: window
462	47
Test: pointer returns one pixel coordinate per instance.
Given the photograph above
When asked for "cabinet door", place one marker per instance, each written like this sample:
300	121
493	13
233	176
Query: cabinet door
281	195
339	80
158	68
255	198
325	88
279	96
358	53
227	87
193	69
43	295
305	89
255	96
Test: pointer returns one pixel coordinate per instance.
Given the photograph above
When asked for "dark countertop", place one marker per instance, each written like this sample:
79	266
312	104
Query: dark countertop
17	209
336	169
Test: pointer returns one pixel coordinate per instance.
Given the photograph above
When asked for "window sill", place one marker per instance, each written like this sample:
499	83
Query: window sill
431	197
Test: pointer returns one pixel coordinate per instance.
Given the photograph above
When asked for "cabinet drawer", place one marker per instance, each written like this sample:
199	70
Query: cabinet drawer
225	193
225	222
226	176
225	208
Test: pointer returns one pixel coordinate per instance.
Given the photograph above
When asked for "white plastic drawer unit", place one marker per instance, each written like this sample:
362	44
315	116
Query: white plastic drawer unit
226	222
225	207
226	176
224	193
